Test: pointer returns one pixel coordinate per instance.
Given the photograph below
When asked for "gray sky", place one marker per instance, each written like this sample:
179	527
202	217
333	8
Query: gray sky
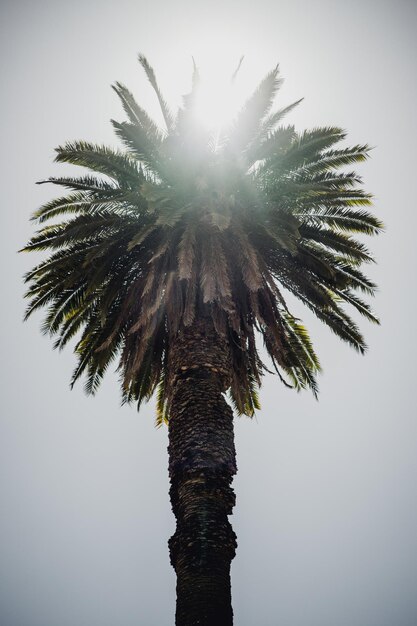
326	504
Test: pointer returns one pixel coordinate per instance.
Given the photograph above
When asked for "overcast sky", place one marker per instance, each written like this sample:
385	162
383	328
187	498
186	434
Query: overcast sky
326	491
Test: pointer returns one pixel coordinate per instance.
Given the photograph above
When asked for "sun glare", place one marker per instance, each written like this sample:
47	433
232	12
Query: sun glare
217	102
223	85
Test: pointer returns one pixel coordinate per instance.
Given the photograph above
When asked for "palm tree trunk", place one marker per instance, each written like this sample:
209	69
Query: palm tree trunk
202	464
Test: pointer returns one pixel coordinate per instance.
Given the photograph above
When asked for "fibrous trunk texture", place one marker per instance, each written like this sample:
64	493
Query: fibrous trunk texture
202	464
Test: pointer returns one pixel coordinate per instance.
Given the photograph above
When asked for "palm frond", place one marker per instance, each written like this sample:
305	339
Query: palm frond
249	119
169	121
116	165
137	115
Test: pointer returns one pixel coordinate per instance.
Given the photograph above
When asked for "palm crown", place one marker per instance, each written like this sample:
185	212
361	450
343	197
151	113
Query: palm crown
183	224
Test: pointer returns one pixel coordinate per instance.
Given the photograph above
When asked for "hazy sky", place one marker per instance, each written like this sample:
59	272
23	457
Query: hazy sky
326	491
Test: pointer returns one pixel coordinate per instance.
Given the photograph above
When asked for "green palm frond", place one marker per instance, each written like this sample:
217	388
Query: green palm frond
249	119
138	116
85	183
339	242
138	143
117	165
331	159
169	121
273	119
341	218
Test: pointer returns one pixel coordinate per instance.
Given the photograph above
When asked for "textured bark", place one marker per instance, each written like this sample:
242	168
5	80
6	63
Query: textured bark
202	464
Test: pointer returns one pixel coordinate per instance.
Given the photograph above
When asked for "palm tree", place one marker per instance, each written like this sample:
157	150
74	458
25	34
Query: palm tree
175	255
